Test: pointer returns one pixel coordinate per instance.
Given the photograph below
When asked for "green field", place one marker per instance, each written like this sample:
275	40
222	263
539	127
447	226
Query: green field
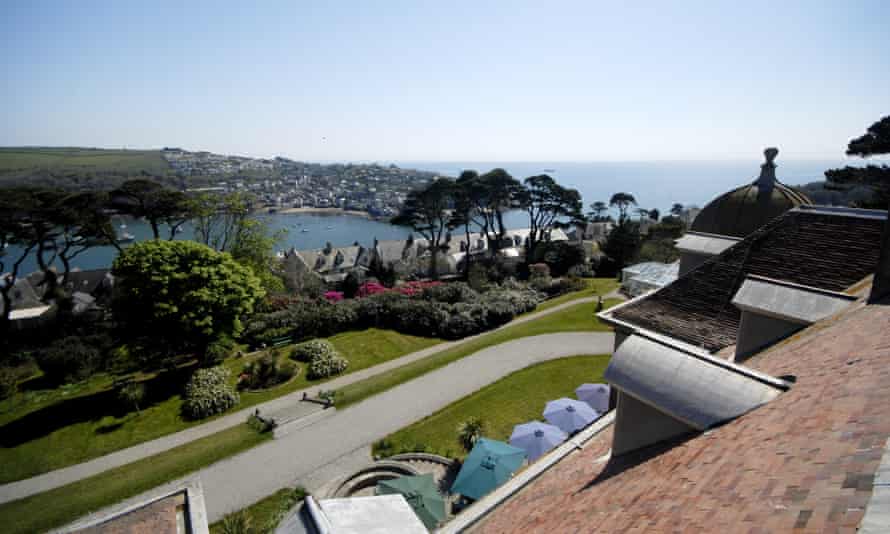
15	159
517	398
62	505
264	515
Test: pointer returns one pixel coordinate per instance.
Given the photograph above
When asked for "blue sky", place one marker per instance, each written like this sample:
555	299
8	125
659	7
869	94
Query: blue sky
447	81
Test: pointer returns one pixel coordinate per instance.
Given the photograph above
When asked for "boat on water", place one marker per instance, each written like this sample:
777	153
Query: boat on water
304	230
328	227
126	237
549	170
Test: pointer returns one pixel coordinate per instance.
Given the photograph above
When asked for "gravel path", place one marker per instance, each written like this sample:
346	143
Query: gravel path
285	404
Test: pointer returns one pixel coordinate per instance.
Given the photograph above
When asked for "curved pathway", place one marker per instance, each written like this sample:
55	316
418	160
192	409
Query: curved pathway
286	403
241	480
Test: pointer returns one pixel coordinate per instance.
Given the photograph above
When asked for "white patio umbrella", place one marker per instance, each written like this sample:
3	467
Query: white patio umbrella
569	414
536	438
595	395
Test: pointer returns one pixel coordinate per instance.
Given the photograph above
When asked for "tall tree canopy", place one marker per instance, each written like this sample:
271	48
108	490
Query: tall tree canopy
428	212
548	205
500	193
876	141
622	201
598	211
158	204
181	295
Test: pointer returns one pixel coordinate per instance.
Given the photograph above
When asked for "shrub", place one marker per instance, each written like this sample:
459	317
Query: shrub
460	325
267	371
451	293
69	359
417	317
536	270
218	351
326	365
308	351
469	432
237	523
208	393
261	424
8	380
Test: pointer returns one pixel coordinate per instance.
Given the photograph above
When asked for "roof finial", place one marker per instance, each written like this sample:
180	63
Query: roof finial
768	170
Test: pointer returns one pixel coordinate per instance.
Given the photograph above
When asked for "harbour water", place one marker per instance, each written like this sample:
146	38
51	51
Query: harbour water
654	184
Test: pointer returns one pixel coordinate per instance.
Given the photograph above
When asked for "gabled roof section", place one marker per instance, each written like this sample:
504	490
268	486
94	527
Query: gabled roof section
697	389
825	248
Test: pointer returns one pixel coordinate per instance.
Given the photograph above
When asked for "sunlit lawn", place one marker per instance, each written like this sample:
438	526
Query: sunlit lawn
59	506
517	398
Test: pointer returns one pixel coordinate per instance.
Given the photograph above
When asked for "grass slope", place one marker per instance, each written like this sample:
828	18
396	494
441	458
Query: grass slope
13	159
62	505
517	398
265	514
578	318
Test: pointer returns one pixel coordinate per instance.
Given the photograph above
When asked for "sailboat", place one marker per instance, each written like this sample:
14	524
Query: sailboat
124	236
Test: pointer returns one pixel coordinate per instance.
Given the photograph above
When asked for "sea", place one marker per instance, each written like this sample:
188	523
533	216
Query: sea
654	184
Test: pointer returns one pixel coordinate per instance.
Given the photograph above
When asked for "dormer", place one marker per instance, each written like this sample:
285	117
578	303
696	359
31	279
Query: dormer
666	390
773	310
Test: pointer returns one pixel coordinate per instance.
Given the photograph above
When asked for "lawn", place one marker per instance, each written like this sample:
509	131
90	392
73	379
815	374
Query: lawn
265	514
62	505
578	318
517	398
73	424
595	286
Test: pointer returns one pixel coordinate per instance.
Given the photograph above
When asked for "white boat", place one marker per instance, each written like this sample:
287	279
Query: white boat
304	230
126	237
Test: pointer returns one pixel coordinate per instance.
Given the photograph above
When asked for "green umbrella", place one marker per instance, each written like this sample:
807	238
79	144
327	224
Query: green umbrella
489	464
421	493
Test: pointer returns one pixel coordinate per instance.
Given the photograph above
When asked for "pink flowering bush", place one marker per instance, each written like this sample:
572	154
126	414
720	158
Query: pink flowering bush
333	296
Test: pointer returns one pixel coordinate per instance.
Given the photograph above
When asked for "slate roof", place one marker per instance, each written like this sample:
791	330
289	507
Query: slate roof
807	460
819	247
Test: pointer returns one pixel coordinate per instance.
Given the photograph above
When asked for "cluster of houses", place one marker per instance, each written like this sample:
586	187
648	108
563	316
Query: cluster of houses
89	291
410	257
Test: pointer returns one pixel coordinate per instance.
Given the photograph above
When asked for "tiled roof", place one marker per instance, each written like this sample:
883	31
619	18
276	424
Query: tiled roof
819	248
807	460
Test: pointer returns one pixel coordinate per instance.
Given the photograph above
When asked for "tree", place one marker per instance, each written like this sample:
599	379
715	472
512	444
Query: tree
428	212
499	194
622	242
598	211
150	199
548	205
677	209
132	393
469	432
467	202
654	214
83	223
622	201
876	141
226	224
642	212
181	295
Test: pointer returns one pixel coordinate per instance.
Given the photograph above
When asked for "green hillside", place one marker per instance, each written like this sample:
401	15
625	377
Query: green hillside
15	160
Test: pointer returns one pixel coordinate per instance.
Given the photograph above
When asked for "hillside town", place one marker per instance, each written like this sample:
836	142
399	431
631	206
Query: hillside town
282	183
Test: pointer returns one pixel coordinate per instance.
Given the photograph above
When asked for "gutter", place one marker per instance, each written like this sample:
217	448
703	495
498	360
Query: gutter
484	506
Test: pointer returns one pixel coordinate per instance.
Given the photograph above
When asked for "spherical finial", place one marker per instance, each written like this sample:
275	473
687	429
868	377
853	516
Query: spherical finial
771	154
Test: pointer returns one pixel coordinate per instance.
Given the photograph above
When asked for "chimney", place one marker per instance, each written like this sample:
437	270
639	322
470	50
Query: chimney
880	286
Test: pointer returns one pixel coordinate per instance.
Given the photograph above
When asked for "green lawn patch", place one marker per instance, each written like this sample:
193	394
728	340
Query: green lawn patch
62	505
517	398
578	318
72	424
264	515
595	286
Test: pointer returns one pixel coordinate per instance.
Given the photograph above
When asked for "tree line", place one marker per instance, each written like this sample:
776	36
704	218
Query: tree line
56	226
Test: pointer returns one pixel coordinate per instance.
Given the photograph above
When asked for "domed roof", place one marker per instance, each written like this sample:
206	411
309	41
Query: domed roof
747	208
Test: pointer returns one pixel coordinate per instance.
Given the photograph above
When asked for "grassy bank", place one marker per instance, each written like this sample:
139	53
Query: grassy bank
62	505
578	318
47	430
517	398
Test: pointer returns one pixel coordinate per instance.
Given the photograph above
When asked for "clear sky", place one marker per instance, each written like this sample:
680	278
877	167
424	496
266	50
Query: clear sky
446	80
